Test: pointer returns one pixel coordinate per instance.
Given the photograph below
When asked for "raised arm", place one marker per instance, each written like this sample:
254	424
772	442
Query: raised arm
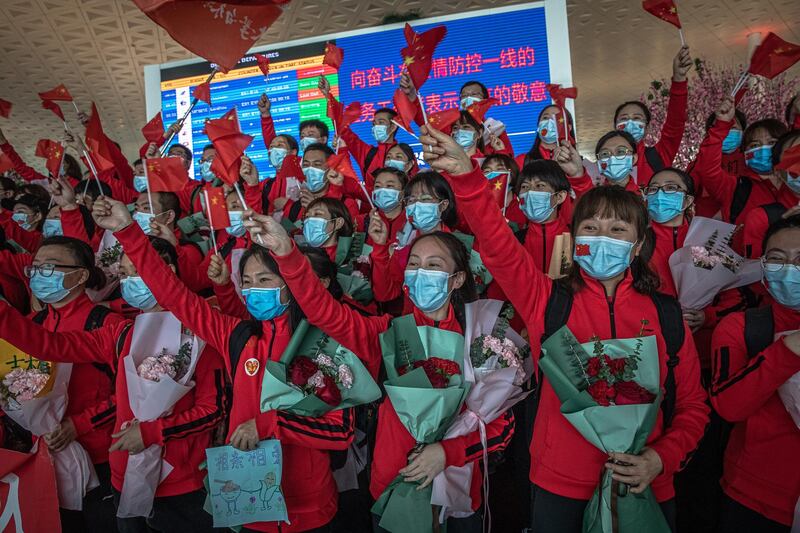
708	172
267	124
675	123
28	173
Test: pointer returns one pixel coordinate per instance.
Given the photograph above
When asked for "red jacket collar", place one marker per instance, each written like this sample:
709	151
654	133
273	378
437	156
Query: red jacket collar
595	287
450	323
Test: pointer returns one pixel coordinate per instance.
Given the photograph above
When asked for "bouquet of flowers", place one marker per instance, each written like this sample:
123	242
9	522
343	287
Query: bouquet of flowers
107	259
155	384
426	388
707	264
36	398
315	375
610	392
353	274
498	363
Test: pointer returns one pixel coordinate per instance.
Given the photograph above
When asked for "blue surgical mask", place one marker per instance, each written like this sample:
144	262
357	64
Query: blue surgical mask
276	156
548	131
380	132
759	159
468	101
136	293
52	227
140	183
602	257
427	288
236	229
731	141
494	174
634	127
315	178
616	168
793	182
784	286
143	219
314	230
49	289
536	205
22	220
464	138
396	164
423	216
305	142
263	303
386	199
664	206
205	171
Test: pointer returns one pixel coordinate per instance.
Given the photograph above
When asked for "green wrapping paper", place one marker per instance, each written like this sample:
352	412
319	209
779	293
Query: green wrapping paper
613	428
479	272
348	249
425	412
357	288
278	394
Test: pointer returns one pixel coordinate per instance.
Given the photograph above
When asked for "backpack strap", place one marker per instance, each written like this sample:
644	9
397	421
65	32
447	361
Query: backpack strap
654	159
373	151
227	248
759	329
520	235
39	317
96	318
195	193
294	212
122	338
559	306
242	333
740	196
670	319
265	190
774	212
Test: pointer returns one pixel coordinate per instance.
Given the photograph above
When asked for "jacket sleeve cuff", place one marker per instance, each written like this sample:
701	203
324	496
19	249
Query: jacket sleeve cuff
679	87
455	451
469	184
151	433
82	423
266	424
128	233
669	460
380	252
292	262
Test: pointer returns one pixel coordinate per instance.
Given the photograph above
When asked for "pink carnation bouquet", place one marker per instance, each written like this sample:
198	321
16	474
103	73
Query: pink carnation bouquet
155	367
22	385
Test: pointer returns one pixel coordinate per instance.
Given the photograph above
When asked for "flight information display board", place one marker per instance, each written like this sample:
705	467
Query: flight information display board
507	49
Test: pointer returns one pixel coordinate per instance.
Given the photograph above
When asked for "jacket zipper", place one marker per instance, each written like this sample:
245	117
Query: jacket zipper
675	238
610	302
271	339
544	249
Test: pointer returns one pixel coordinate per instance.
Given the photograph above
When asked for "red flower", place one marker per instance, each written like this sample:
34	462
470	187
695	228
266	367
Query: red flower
593	367
602	392
630	392
300	369
329	393
447	366
437	369
617	366
582	249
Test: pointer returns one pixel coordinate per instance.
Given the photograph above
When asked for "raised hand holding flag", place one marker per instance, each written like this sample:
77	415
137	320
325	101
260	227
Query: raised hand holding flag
165	174
53	153
770	58
333	56
667	11
230	143
559	95
263	64
418	56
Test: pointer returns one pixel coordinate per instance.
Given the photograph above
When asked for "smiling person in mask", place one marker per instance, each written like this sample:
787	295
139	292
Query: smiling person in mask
617	155
633	117
27	221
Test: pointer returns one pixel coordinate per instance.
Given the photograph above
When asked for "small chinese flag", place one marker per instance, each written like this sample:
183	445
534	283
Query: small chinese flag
230	143
582	250
292	168
444	120
53	152
666	10
418	55
498	188
559	94
790	161
478	109
153	131
203	92
218	217
561	124
341	163
165	174
5	108
773	56
97	142
52	106
59	93
351	113
405	108
333	56
5	163
263	64
335	110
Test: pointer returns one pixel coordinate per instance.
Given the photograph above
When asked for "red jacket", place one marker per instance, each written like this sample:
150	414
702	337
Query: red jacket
310	490
756	224
394	225
361	335
761	470
360	150
13	283
73	225
667	240
27	173
562	461
91	404
671	133
184	434
28	239
710	174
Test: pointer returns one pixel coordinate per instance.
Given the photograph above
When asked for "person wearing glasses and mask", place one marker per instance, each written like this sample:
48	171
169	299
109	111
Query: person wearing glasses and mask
756	361
616	153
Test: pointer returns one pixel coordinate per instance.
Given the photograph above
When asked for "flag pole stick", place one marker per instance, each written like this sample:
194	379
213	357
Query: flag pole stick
683	39
85	152
740	83
149	195
244	205
336	134
364	189
75	106
405	130
210	222
505	195
185	116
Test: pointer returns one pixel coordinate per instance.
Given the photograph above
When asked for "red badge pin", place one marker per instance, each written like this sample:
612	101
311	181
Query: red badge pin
251	366
582	249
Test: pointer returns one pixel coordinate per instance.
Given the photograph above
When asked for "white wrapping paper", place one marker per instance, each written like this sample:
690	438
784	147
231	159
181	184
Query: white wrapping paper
150	400
101	295
789	392
75	475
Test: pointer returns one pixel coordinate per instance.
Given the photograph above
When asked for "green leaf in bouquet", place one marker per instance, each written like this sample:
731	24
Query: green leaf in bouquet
426	413
403	508
349	248
568	356
416	378
291	226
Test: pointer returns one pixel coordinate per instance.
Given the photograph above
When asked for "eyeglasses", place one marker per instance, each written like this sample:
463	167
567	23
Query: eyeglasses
618	152
669	188
425	198
776	265
45	269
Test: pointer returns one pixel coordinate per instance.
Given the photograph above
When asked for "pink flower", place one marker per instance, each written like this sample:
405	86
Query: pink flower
317	380
24	385
345	376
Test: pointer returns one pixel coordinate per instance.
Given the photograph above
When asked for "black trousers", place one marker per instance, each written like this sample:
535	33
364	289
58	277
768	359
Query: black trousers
98	514
558	514
470	524
736	518
171	514
324	529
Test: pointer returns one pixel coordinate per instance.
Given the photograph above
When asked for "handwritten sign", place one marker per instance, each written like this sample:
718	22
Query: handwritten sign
12	357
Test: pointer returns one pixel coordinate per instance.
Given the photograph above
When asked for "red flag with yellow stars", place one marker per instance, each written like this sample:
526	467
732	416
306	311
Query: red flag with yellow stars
220	32
53	153
478	109
444	120
333	56
96	141
203	92
165	174
773	56
230	143
666	10
418	55
335	109
405	108
790	161
560	94
498	188
59	93
52	106
5	108
341	163
263	64
153	131
218	217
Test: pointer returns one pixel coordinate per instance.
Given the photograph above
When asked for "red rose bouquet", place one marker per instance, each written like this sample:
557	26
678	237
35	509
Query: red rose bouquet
438	370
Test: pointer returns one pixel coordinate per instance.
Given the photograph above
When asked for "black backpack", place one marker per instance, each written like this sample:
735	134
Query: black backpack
741	194
653	159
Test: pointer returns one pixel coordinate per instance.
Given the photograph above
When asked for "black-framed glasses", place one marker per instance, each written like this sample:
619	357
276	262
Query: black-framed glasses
45	269
776	264
618	152
669	188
